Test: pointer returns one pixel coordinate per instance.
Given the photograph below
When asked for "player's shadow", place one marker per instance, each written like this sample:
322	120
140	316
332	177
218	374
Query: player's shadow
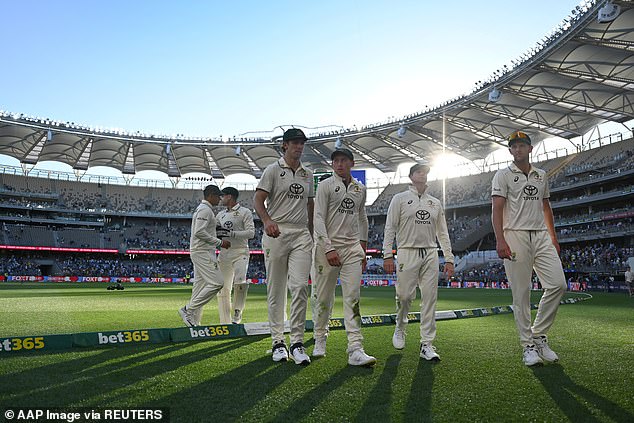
76	381
379	411
419	403
564	391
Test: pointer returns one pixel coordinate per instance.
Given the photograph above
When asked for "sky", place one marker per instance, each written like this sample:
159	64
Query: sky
208	68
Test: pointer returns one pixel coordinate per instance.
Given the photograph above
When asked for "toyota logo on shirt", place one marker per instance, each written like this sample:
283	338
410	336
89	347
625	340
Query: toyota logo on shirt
295	191
531	192
422	217
347	204
228	224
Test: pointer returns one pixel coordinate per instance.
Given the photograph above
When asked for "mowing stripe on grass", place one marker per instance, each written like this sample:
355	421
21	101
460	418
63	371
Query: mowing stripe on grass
26	344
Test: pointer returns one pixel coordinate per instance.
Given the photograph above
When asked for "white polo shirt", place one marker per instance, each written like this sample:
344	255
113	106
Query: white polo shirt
289	191
340	218
524	206
239	220
416	221
203	231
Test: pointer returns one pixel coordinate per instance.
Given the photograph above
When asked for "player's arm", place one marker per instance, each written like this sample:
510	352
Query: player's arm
391	223
497	217
550	223
311	212
270	227
442	233
249	227
363	228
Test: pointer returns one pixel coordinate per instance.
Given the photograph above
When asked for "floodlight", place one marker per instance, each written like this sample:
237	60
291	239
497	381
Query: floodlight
401	131
338	143
495	95
608	13
49	135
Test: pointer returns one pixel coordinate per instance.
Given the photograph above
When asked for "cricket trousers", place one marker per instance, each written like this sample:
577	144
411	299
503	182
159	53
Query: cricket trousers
287	259
323	292
207	282
534	250
417	267
233	264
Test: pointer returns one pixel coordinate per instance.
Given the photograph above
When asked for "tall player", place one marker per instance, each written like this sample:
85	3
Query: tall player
284	202
525	236
341	233
236	224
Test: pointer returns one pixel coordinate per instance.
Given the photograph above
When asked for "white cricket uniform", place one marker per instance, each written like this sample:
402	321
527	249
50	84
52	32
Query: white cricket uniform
417	220
287	258
234	261
526	233
202	251
340	224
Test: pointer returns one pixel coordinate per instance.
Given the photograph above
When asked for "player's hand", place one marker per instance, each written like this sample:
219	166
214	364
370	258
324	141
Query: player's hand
333	258
271	229
225	244
449	269
557	247
503	249
388	265
364	263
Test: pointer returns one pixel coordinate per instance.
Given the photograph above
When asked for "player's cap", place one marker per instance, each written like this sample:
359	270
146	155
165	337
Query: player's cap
519	136
294	134
419	166
231	191
342	152
212	190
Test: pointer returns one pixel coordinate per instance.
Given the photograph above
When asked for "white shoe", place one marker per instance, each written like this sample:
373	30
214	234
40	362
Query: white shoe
530	356
358	357
543	350
320	348
398	339
187	319
279	352
298	354
428	352
237	317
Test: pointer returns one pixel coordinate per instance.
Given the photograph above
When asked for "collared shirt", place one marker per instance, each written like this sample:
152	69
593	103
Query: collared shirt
203	232
340	217
289	191
416	220
238	220
524	206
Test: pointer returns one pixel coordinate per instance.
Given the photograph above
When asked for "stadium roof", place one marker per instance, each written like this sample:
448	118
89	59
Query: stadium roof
578	76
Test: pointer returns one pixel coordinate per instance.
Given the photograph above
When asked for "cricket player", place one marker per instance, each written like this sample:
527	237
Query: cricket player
525	238
236	224
202	251
341	233
417	219
284	200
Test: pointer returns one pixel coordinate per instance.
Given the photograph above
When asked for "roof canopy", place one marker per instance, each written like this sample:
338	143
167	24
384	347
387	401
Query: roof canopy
580	76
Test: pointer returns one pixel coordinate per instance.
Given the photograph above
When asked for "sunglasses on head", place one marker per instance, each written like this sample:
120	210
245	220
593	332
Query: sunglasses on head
518	135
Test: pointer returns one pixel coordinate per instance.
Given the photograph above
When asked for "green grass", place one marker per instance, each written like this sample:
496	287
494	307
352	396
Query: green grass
480	378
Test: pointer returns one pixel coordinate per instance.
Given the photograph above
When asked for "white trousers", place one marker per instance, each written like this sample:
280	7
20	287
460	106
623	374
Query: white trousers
233	265
417	267
534	250
287	259
323	292
207	282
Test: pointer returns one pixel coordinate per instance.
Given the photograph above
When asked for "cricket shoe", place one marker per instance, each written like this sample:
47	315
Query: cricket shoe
428	352
187	319
280	353
358	357
531	357
320	348
543	350
398	339
237	317
298	354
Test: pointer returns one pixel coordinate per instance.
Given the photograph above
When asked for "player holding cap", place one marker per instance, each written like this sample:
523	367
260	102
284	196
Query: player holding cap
202	252
525	235
417	219
287	188
236	224
341	233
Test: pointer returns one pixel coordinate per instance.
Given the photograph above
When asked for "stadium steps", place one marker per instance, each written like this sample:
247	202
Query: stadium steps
555	170
471	238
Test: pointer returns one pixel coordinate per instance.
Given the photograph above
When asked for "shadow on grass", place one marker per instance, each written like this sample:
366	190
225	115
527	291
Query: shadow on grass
563	390
375	409
74	382
418	407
